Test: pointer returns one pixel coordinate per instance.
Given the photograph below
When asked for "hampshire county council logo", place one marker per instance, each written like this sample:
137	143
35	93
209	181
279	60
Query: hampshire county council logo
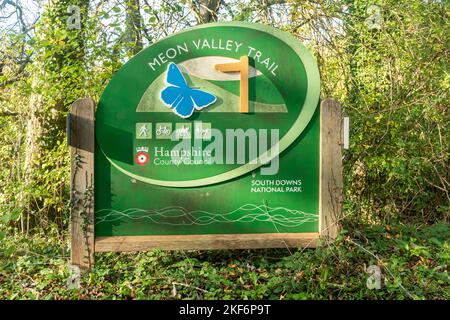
142	156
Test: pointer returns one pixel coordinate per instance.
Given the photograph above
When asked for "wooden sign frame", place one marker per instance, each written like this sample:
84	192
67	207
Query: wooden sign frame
81	138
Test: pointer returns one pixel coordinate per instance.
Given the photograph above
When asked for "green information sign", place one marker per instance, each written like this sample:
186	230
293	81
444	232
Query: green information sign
214	130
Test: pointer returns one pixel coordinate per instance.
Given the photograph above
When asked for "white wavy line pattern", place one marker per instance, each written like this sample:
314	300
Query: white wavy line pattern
184	217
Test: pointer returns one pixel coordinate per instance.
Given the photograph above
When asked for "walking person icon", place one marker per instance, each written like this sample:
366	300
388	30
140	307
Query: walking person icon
143	131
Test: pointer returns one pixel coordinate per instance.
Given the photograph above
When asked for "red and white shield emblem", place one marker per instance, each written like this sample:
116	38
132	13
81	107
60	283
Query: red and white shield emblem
142	158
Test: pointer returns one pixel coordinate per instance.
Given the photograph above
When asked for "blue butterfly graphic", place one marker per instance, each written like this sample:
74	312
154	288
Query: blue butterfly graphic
181	98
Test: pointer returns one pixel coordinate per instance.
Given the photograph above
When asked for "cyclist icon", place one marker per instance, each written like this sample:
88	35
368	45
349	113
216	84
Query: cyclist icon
163	130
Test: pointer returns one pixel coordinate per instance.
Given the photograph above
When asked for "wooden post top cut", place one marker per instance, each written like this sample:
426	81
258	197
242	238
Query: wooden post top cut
242	68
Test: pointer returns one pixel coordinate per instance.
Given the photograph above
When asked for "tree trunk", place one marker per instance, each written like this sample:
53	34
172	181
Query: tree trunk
264	11
133	27
33	151
49	93
206	10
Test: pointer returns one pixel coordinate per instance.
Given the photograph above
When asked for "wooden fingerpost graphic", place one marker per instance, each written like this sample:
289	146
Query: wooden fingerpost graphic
242	68
81	140
330	168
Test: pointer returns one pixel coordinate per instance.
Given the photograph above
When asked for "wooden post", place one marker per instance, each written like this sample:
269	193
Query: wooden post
244	84
242	68
81	140
330	168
